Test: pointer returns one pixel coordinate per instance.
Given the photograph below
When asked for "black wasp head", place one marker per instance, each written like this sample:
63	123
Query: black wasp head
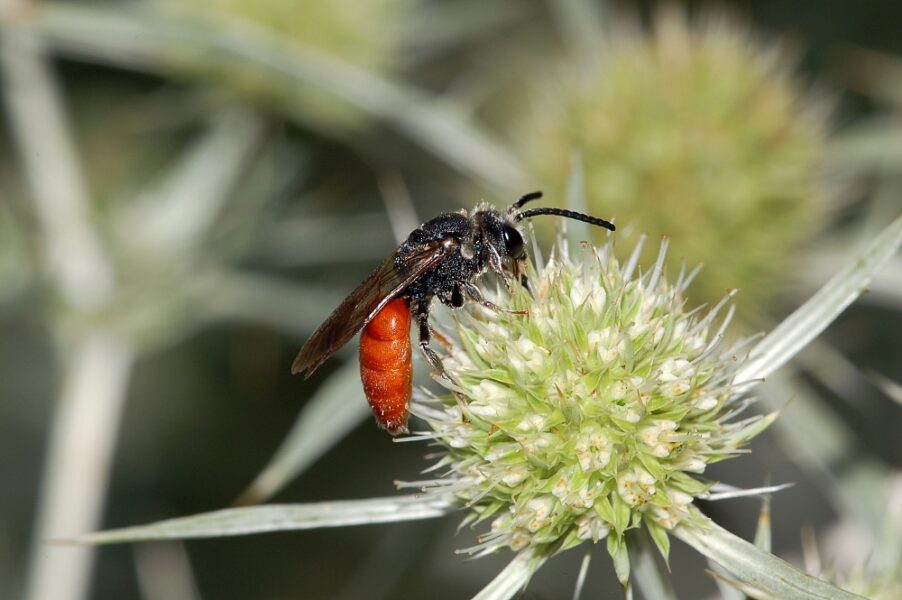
501	232
513	242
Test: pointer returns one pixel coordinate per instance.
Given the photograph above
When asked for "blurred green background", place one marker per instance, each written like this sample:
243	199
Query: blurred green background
225	171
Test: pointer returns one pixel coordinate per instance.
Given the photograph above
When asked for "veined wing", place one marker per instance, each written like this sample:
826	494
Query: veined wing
366	301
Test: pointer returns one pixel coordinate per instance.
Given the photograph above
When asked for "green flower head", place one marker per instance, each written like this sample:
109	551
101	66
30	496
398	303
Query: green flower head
697	130
592	415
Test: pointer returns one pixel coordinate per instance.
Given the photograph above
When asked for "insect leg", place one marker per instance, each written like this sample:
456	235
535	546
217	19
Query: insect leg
422	315
498	267
474	293
440	339
519	274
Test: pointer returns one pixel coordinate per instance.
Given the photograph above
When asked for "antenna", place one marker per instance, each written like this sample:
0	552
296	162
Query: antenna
526	198
560	212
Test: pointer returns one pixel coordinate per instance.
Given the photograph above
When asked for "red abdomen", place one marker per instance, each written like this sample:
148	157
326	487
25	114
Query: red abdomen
385	365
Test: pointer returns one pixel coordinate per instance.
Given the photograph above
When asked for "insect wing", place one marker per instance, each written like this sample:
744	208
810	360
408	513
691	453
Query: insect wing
365	302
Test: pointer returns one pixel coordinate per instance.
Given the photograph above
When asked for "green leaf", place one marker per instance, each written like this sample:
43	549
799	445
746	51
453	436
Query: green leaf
741	437
337	407
809	320
620	555
278	517
605	509
622	512
754	567
660	537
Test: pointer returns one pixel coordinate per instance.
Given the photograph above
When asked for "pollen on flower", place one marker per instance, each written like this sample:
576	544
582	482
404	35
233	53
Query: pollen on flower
636	486
593	450
533	422
657	439
703	402
591	415
618	390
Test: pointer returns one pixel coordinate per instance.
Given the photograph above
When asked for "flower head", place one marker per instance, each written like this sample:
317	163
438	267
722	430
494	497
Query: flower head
594	414
696	130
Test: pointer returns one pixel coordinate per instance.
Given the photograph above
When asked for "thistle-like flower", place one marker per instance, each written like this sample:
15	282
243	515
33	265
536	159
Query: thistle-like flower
590	418
593	415
697	130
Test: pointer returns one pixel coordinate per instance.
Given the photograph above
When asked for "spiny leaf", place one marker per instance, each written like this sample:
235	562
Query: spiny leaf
754	567
278	517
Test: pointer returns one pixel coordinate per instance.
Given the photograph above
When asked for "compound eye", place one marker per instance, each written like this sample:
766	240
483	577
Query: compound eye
513	242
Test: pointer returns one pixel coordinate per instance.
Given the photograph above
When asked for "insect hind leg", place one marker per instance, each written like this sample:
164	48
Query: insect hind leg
422	316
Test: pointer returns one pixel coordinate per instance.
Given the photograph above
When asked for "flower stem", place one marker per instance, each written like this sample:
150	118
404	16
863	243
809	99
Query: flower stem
82	438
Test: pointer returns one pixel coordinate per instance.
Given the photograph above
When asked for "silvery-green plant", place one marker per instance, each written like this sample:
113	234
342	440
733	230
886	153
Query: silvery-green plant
593	416
103	271
308	83
868	565
591	419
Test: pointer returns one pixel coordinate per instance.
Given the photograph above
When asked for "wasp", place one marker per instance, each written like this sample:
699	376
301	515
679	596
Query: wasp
441	259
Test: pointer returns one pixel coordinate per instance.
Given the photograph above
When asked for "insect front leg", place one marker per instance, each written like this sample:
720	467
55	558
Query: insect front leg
422	316
519	274
474	293
497	266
